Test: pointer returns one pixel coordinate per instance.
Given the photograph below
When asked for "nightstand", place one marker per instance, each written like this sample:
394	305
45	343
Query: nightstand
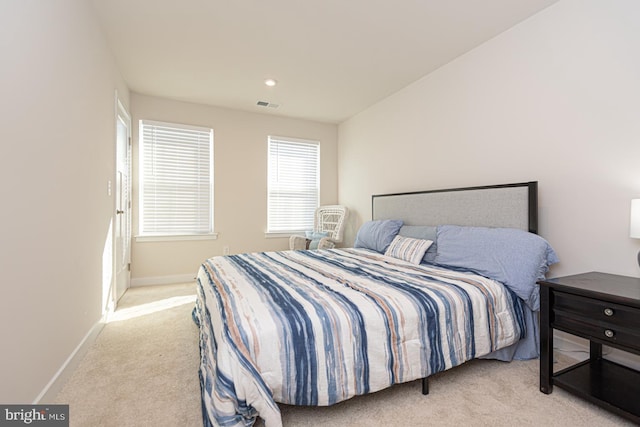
605	309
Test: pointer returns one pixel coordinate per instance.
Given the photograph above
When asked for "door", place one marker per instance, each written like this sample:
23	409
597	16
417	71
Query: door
122	232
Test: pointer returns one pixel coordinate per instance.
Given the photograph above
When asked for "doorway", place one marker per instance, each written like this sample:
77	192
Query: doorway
122	217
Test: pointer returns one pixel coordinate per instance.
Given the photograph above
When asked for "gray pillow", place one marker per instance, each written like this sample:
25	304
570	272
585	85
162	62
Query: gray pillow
377	235
424	232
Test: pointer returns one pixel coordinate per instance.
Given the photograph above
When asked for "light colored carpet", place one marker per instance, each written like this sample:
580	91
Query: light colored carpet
143	371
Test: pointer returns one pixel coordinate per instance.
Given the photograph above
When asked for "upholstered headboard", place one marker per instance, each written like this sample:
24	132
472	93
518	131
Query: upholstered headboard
506	205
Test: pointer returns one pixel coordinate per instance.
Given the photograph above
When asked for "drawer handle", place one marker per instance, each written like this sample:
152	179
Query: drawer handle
609	333
608	312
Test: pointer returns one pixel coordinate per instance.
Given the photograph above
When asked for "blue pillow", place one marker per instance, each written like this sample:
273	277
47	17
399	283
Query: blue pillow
424	232
377	235
516	258
314	237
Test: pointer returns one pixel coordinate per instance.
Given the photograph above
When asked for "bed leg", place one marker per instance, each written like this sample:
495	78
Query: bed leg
425	385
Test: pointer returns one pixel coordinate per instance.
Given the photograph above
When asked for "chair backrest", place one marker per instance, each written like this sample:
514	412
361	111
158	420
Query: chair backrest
331	219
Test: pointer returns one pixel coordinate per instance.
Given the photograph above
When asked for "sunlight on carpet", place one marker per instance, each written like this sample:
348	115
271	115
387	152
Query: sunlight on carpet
150	308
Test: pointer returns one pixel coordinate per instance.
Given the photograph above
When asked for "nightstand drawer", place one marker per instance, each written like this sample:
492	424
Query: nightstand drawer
600	312
608	333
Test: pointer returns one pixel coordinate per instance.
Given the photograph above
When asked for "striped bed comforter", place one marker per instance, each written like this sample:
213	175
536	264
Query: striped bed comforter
319	327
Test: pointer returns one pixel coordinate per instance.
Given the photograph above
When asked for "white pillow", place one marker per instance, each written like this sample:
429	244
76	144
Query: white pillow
408	249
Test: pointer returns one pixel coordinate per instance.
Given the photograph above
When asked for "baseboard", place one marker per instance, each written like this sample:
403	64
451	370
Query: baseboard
54	386
571	344
162	280
51	390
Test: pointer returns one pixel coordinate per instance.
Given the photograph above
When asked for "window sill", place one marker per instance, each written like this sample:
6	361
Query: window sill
174	238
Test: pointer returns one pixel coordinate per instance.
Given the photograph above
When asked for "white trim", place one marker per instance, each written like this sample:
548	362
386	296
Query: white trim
181	125
142	238
56	383
162	280
290	139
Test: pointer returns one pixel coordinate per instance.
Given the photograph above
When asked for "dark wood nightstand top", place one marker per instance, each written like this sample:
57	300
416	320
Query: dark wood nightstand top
609	287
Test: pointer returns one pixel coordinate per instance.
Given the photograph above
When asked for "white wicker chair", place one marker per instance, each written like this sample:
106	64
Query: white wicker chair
328	219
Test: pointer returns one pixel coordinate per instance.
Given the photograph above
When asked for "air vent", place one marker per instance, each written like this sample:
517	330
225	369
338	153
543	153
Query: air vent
267	104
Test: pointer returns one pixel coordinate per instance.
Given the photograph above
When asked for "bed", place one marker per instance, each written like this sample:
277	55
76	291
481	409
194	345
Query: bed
435	279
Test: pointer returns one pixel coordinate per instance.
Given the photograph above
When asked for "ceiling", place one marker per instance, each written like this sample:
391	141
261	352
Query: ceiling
331	58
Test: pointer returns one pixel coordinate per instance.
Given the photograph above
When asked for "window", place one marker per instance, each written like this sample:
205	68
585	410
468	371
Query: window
176	179
294	184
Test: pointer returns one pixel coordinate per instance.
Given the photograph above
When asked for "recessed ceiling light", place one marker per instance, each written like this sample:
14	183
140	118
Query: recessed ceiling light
270	82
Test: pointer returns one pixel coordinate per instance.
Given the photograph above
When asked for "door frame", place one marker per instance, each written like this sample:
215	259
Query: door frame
121	112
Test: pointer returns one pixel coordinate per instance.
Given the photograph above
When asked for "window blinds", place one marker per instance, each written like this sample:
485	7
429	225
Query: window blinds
293	187
176	179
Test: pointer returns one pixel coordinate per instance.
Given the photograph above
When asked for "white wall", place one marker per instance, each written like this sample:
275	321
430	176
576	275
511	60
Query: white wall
57	139
555	99
240	183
